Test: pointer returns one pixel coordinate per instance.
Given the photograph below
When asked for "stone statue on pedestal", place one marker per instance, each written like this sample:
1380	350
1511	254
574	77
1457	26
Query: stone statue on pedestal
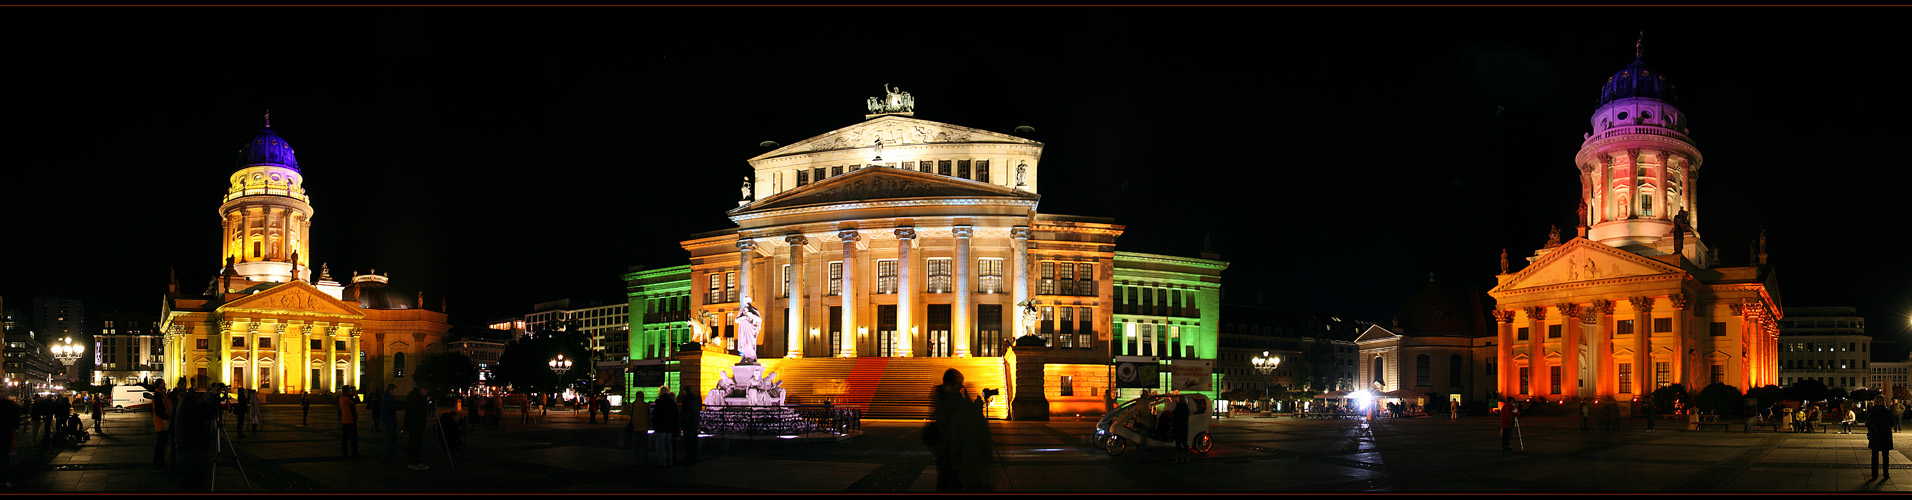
1503	261
749	321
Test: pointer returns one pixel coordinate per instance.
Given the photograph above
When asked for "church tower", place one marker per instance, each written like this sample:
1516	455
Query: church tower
1638	168
267	216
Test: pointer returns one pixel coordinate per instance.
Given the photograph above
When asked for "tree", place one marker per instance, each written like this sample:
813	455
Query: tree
1665	397
1864	395
525	362
1812	390
1721	399
1767	395
1316	366
446	372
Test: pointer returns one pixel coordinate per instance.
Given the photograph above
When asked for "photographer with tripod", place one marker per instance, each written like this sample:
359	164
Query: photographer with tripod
1509	418
199	413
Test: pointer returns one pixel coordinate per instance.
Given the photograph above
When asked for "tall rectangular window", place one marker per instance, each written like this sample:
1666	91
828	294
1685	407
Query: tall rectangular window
1556	378
1065	332
836	332
1085	327
909	165
924	166
1626	378
1526	374
803	177
1048	328
786	282
1085	279
836	278
1160	307
937	338
989	338
1065	274
238	341
315	345
818	174
939	277
1520	333
886	276
962	168
836	170
1048	284
1717	328
1068	385
1719	373
886	337
982	170
1553	331
942	167
1662	373
716	289
989	275
1623	327
730	287
1661	325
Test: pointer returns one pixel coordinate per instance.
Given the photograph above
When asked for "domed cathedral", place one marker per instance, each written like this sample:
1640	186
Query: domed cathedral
883	253
1636	301
268	321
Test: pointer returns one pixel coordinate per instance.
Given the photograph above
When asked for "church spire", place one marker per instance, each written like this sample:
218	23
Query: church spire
268	117
1638	47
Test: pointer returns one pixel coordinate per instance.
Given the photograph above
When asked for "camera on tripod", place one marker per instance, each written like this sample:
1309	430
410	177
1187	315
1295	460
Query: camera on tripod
989	394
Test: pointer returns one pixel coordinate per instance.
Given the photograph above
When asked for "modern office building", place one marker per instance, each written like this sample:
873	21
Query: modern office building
1827	344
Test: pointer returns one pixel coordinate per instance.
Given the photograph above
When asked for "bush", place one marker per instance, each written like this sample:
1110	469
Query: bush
1721	399
1665	397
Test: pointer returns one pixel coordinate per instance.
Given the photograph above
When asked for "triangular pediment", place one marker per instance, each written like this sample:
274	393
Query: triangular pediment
1375	332
880	183
296	297
1719	357
894	130
1581	259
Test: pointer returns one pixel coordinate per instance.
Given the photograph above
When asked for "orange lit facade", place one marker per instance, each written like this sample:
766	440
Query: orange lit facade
1637	301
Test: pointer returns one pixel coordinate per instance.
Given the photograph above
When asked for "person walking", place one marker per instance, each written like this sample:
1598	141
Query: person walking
1879	424
198	411
240	403
960	438
253	409
305	408
417	412
348	423
9	422
1586	417
1506	426
664	417
591	412
693	411
388	411
1180	417
639	426
99	413
162	414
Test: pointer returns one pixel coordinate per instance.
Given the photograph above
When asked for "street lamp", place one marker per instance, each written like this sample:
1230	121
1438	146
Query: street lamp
1265	365
67	352
559	366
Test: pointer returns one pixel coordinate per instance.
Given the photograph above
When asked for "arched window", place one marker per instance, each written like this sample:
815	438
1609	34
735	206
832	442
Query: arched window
398	365
1454	370
1646	205
1423	371
1379	377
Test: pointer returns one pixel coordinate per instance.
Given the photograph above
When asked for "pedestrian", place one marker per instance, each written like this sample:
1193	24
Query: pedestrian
1453	410
417	412
1812	417
592	411
99	413
1506	426
348	423
375	405
241	403
1879	424
162	414
604	406
664	417
198	411
1180	416
305	408
1613	416
1845	426
692	409
1586	416
1899	412
388	411
1647	408
960	438
254	408
639	426
9	421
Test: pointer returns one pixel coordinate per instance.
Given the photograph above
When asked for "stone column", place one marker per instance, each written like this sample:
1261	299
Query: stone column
795	325
331	357
960	321
1602	321
1506	373
1643	346
1020	235
252	356
848	347
905	293
1539	371
1569	349
1683	348
746	249
353	370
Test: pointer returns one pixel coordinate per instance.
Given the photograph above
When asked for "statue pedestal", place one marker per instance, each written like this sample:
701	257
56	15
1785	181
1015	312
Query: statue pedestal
1029	402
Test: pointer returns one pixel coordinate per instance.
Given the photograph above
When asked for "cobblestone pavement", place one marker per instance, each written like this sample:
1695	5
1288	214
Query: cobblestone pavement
563	453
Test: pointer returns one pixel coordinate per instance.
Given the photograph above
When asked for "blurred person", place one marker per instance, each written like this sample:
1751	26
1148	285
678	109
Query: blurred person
348	423
960	438
1879	424
417	413
664	416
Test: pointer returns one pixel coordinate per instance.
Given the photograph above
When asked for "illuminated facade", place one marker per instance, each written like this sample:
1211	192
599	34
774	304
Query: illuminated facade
128	349
898	247
1827	344
1637	301
1429	349
259	327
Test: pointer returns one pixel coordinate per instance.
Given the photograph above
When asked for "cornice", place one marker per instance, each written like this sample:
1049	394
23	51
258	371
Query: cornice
1167	259
831	207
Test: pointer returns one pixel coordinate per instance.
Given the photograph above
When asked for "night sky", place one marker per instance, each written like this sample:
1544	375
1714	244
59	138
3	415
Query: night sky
507	156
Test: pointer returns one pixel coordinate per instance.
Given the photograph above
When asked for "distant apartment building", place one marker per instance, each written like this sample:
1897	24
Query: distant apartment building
128	350
1827	344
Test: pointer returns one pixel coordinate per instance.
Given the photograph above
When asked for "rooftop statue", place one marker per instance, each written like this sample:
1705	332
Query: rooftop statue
894	101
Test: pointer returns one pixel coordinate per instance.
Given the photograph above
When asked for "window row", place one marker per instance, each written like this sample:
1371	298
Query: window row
1156	301
977	170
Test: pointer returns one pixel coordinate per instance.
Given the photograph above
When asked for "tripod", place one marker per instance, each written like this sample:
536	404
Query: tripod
213	472
1523	439
443	439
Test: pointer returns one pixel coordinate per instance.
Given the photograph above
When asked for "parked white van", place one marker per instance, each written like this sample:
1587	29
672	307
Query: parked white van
130	397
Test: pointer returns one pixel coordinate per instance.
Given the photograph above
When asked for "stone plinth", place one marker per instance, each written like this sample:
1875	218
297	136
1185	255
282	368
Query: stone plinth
1029	402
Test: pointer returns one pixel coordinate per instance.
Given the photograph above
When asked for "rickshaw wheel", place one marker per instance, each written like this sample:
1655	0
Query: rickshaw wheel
1203	443
1115	445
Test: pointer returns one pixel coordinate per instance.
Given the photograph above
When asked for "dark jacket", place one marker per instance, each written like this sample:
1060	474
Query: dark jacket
388	406
664	416
193	427
9	415
415	412
1879	421
962	440
693	410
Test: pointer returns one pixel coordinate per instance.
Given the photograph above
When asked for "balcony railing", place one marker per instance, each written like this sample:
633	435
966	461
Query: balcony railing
1639	129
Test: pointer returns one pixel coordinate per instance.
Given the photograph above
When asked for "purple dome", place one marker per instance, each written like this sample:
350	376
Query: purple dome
1637	80
268	149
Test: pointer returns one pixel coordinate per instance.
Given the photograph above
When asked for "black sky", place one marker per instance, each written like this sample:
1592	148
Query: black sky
508	156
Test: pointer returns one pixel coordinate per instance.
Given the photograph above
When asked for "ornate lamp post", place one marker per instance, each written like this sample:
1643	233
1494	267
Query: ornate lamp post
67	352
559	366
1265	365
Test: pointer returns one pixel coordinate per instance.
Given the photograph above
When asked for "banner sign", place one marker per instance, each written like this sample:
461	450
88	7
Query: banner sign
1191	375
1136	374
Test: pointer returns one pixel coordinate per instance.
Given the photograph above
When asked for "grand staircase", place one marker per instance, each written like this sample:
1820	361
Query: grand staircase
899	388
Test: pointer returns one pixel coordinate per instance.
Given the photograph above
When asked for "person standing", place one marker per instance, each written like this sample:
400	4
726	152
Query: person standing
305	408
1180	416
665	418
639	426
1586	417
417	412
348	424
240	403
1506	426
692	408
376	406
591	412
960	438
1900	412
9	421
1879	424
388	411
253	409
162	414
99	413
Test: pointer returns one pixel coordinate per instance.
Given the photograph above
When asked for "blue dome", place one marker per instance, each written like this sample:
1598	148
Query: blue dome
1637	80
268	149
